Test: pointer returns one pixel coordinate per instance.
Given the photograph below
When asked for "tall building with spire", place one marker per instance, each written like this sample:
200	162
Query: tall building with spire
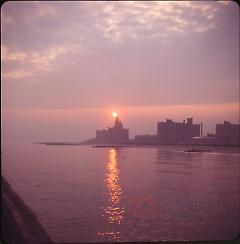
113	135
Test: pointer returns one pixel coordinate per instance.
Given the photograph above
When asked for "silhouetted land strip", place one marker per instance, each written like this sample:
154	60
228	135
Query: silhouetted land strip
19	223
197	150
132	144
60	143
112	145
86	142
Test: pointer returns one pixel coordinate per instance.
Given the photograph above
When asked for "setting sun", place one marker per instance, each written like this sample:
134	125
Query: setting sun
114	114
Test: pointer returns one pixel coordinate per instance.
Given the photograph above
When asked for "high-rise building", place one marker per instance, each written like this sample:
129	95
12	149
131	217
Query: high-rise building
113	135
171	132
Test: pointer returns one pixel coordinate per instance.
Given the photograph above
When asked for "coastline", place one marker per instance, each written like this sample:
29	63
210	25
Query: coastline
132	144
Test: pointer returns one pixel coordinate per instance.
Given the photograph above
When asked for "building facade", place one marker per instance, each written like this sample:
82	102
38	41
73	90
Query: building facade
113	135
146	139
170	132
229	132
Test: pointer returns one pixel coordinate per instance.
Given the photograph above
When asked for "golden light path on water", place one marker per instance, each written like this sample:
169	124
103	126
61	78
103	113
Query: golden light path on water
113	211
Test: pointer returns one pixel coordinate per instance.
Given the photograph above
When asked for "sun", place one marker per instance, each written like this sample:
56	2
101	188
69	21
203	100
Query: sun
114	114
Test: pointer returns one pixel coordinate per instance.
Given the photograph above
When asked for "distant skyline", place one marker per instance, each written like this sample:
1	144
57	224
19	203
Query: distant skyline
66	66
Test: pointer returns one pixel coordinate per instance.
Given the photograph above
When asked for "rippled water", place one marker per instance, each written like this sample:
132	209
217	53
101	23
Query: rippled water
85	194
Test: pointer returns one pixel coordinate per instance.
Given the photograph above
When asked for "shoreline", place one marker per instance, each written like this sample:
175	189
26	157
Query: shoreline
131	145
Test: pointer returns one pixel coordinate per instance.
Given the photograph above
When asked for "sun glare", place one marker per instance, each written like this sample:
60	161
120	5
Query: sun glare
114	114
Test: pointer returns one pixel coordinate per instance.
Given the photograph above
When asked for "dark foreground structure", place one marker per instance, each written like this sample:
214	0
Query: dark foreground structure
19	223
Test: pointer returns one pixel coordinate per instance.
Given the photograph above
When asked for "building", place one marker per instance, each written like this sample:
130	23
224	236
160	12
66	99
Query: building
209	140
113	135
146	139
170	132
228	132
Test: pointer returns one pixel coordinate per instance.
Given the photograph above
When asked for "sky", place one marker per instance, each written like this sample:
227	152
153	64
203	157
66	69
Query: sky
67	65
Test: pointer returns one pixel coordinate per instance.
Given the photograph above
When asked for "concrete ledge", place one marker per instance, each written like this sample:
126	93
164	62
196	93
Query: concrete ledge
19	223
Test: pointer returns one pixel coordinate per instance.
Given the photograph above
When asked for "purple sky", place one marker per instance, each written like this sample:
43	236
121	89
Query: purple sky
67	65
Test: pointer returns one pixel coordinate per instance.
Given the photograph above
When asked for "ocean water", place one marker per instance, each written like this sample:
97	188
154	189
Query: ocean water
86	194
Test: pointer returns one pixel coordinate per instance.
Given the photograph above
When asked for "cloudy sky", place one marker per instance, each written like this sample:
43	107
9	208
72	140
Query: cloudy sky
67	65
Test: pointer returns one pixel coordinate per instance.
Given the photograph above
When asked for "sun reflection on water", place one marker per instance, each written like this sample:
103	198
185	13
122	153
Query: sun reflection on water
113	212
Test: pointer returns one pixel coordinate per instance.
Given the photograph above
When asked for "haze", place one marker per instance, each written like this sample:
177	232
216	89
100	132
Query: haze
66	66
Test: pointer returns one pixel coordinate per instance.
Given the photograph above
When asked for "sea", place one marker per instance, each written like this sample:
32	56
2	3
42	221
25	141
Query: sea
128	194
